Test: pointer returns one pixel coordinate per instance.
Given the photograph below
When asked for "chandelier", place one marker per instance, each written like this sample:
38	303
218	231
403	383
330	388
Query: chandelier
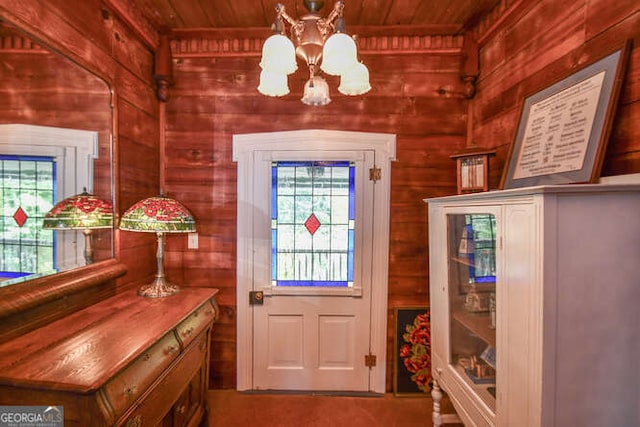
322	44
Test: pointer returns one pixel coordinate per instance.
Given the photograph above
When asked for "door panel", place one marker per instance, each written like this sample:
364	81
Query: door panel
336	335
285	340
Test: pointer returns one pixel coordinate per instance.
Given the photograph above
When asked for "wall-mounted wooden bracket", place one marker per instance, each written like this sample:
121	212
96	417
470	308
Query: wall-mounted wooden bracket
163	68
471	66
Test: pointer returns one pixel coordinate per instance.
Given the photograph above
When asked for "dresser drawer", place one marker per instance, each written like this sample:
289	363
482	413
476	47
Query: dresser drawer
167	393
129	384
196	323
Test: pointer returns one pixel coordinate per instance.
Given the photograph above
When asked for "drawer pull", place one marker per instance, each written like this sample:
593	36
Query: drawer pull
135	421
182	409
130	391
209	312
146	357
171	350
188	332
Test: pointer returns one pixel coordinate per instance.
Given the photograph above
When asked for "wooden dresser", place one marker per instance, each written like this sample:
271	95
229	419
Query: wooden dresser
126	361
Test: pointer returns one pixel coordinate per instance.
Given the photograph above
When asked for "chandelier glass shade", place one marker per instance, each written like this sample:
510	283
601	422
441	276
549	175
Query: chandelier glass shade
273	83
355	80
316	92
324	47
279	55
339	54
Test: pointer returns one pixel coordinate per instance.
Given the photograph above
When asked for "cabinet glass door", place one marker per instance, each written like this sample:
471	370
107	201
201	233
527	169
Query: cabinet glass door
472	286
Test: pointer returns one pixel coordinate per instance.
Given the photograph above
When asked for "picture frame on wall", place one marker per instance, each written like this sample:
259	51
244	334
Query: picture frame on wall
412	352
564	129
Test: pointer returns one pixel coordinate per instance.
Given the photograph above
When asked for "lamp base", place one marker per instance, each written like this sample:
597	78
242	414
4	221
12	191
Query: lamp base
158	288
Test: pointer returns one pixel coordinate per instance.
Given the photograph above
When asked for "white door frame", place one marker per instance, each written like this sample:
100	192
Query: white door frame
244	148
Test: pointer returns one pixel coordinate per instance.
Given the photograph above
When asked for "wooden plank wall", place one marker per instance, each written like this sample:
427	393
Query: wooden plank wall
90	34
526	46
416	96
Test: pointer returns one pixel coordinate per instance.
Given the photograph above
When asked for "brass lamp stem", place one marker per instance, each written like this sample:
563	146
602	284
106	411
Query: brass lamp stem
88	250
159	287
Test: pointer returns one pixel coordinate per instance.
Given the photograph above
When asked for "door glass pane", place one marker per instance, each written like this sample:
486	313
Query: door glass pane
312	223
27	193
472	278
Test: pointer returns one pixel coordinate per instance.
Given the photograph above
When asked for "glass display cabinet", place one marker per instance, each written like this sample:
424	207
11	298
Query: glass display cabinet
533	296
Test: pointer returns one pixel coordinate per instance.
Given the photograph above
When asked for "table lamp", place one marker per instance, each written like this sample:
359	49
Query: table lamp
158	215
84	212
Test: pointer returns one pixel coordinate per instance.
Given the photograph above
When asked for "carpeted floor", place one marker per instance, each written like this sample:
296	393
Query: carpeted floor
231	408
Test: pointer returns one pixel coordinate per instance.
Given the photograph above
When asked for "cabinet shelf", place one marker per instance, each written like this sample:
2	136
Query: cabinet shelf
479	324
481	390
463	261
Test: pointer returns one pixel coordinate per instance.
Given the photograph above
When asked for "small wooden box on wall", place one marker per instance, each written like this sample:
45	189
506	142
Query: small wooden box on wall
472	169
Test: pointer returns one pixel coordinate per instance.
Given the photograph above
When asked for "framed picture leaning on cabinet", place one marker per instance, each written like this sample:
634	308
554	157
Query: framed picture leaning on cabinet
564	129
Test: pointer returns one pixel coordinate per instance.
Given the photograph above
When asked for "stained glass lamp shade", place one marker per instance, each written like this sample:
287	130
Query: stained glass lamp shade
158	215
84	212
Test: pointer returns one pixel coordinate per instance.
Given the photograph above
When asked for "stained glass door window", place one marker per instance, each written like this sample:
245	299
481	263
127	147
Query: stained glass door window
27	192
313	223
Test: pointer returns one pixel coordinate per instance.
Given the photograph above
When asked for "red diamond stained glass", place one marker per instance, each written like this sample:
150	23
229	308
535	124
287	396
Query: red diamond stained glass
312	224
20	217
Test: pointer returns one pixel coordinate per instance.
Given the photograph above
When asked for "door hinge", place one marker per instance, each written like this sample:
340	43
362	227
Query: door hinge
370	360
375	174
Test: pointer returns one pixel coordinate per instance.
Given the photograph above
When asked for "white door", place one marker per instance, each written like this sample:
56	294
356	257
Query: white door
312	335
311	328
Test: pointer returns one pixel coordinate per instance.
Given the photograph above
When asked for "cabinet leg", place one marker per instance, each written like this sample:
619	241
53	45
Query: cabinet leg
436	395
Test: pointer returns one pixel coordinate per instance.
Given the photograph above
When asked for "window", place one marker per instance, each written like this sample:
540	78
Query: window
27	191
313	223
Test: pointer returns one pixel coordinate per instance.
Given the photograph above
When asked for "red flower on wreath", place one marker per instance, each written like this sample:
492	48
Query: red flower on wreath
416	352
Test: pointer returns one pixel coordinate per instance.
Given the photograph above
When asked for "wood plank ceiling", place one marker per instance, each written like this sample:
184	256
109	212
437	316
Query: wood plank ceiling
439	16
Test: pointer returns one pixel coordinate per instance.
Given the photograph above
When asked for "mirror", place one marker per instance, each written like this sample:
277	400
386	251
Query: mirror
55	142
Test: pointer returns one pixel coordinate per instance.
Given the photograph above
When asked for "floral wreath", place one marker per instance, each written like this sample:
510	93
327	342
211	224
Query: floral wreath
416	352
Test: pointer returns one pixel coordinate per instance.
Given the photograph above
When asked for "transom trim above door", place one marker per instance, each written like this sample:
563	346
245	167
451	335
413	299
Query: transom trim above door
256	154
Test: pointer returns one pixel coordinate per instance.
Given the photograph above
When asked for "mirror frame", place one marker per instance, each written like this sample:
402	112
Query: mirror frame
43	299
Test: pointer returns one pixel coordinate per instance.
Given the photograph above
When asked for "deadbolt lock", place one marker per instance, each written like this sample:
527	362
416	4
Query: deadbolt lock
256	298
